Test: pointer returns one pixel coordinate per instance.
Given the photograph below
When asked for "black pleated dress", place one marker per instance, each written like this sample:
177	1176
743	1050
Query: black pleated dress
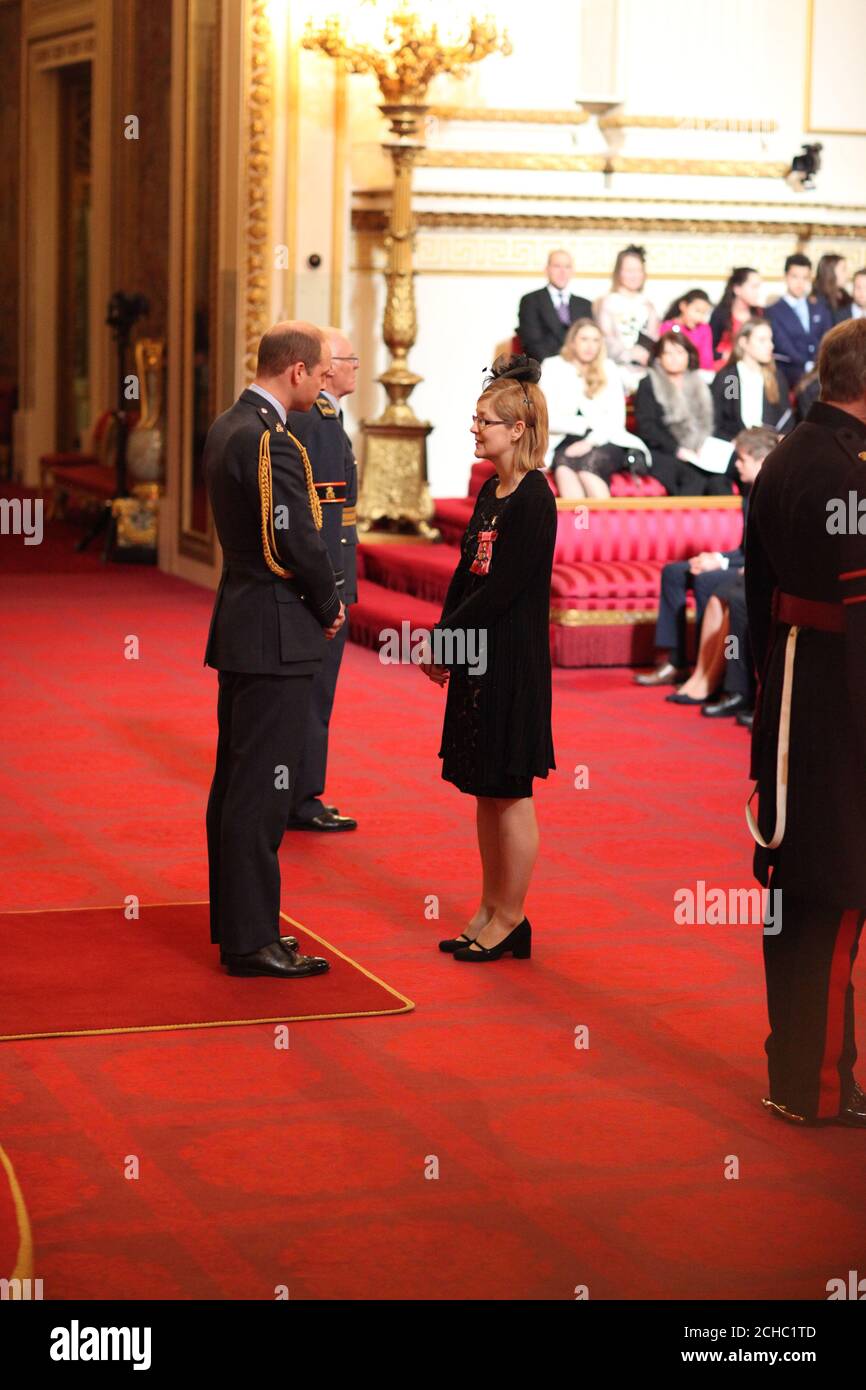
497	733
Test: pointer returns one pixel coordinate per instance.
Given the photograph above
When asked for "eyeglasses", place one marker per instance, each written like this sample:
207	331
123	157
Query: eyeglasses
355	361
479	423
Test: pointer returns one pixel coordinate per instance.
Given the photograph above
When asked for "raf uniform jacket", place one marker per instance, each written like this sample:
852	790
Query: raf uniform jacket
793	544
264	624
539	327
321	431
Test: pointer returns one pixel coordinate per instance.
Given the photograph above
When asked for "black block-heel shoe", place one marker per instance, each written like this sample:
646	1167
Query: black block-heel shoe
518	942
455	943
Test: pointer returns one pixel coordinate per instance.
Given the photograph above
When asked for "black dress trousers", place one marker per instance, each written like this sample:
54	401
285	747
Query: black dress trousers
810	998
262	724
310	780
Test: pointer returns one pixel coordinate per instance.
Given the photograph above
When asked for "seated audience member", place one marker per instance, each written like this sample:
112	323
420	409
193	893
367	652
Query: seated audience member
708	574
858	293
740	301
727	670
627	318
831	278
721	666
674	413
545	315
586	416
799	321
751	390
689	315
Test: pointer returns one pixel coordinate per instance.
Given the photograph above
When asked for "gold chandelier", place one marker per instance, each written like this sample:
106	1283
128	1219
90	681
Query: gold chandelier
405	54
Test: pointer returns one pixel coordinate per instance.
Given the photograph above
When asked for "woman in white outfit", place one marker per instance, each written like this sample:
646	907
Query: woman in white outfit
586	409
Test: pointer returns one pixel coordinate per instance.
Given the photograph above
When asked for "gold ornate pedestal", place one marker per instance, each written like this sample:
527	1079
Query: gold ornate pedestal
394	494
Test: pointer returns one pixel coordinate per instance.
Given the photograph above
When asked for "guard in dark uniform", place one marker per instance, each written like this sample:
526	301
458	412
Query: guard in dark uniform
276	607
336	479
806	595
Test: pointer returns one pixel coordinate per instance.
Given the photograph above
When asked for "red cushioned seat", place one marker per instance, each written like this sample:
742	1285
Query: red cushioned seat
422	570
94	479
628	485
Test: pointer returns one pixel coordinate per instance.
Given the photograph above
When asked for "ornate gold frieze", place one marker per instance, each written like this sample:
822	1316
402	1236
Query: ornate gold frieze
600	163
258	178
619	120
510	159
509	114
375	220
618	199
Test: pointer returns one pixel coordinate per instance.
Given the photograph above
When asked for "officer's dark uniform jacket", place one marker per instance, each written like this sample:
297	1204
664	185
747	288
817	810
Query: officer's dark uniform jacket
321	431
264	624
792	550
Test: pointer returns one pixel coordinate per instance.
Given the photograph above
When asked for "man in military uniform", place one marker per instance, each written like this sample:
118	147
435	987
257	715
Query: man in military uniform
336	479
806	594
276	609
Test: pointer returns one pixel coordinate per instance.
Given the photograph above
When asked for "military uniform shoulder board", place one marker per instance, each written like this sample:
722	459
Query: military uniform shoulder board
280	429
325	407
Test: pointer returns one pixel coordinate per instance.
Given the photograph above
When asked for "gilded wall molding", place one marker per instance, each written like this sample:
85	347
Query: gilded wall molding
375	220
600	163
618	120
510	159
258	180
713	168
512	115
698	252
70	48
617	199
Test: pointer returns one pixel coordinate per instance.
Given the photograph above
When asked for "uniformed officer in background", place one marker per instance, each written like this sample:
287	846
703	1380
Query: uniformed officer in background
336	479
276	615
806	594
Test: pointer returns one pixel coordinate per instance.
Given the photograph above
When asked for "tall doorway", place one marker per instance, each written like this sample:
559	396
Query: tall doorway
73	335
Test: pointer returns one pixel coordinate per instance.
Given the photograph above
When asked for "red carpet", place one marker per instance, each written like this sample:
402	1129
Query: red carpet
602	1166
159	972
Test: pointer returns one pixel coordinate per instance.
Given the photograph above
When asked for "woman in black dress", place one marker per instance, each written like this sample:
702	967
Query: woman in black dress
497	736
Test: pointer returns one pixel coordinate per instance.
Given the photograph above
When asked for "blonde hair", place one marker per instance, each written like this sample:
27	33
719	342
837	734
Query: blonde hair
594	373
521	400
768	369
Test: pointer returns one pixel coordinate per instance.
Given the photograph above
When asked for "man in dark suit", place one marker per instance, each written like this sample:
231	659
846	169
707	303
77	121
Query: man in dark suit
276	608
336	478
806	594
546	315
799	321
705	573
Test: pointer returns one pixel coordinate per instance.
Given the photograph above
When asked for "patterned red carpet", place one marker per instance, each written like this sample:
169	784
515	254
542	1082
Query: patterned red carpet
468	1149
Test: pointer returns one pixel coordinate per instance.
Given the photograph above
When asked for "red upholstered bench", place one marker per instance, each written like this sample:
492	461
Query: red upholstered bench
607	569
606	573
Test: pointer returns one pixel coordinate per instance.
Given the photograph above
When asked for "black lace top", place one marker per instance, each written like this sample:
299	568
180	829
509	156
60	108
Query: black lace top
497	721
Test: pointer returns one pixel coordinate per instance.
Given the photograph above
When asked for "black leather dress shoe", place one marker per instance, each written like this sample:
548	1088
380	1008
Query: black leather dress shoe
678	699
725	706
666	674
276	960
332	810
292	949
328	822
746	718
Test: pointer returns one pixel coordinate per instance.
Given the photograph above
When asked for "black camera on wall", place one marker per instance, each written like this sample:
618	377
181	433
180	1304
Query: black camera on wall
805	166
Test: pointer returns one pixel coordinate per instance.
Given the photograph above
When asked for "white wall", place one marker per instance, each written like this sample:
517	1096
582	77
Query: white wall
688	59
